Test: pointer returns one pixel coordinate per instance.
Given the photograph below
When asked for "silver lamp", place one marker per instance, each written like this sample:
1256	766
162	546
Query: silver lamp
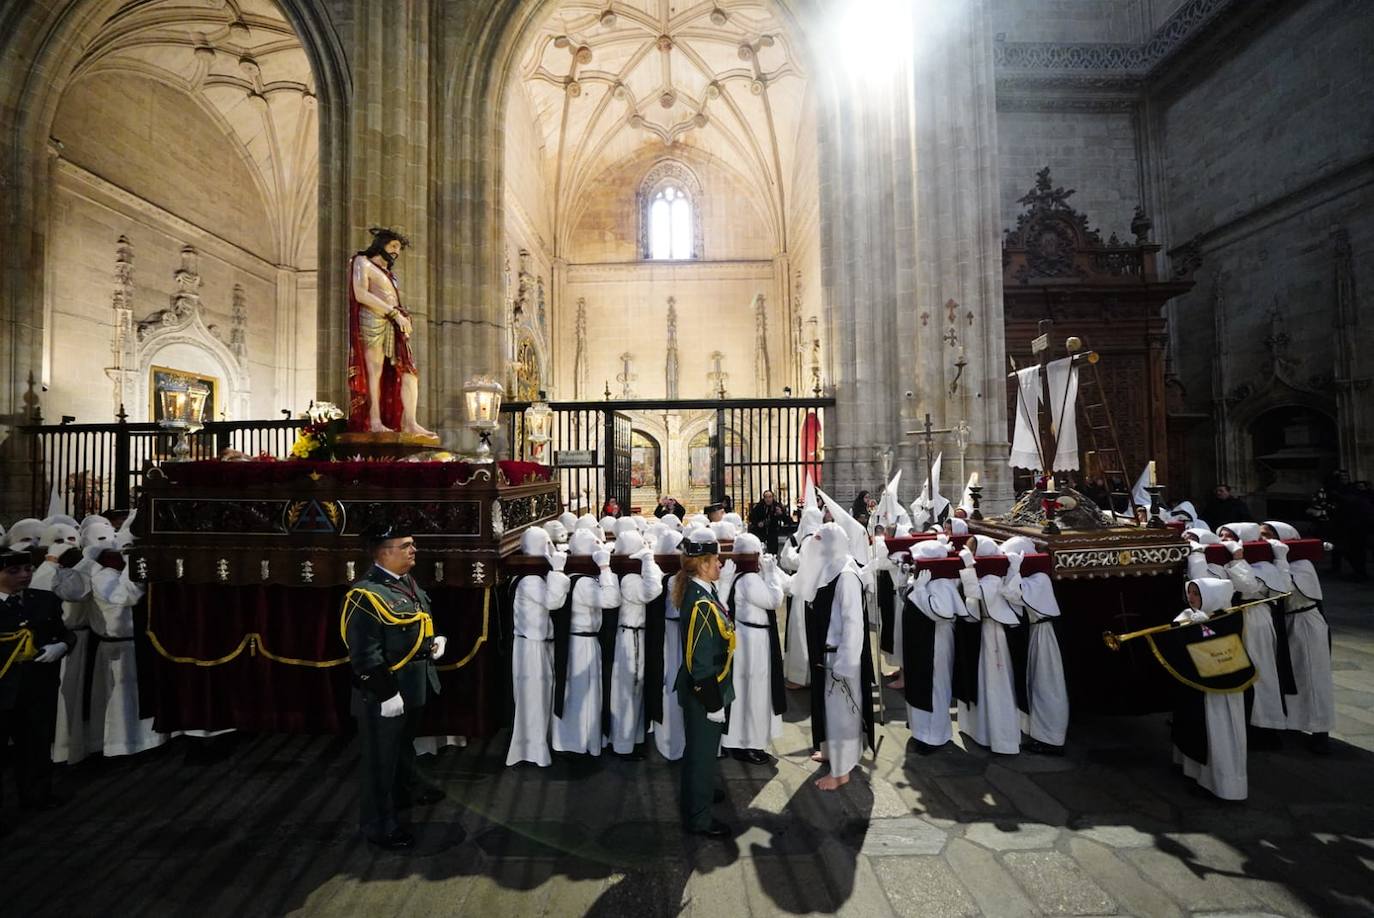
183	411
538	426
482	399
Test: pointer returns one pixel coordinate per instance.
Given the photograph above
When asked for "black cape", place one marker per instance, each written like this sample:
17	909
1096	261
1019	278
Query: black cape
918	656
887	611
655	631
562	639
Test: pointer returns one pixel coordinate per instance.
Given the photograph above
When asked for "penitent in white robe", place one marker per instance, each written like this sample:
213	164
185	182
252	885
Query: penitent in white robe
579	729
1048	720
670	737
532	666
1313	708
72	741
796	662
753	725
937	601
844	690
627	675
994	721
1261	642
1225	772
114	684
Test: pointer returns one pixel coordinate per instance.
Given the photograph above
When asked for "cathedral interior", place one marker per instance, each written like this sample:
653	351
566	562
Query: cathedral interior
657	201
735	245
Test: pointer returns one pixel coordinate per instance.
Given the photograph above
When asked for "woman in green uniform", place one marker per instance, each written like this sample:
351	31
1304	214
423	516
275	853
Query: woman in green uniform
703	683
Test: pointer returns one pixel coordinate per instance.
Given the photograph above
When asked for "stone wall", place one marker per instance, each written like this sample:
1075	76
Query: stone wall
1267	152
142	161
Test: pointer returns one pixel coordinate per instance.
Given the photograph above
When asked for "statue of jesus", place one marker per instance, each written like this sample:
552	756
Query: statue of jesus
383	382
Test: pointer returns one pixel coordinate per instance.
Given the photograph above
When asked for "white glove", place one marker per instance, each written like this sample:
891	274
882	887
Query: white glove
923	578
728	570
394	706
51	653
1280	550
879	549
716	717
1234	549
557	561
645	552
1191	615
768	566
1198	546
601	558
1014	563
436	647
967	557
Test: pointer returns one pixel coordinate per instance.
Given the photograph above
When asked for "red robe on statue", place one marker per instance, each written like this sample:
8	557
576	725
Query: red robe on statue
358	407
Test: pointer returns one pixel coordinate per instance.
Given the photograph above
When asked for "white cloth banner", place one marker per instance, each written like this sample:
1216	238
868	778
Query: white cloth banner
1025	446
1062	376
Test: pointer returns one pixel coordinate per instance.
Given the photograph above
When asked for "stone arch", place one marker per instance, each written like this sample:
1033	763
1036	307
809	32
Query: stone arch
663	173
44	42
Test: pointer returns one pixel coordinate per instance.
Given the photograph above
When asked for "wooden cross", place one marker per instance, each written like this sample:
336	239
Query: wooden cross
927	433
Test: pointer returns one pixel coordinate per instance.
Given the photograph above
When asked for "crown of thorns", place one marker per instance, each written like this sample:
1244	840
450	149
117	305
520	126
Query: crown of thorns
388	231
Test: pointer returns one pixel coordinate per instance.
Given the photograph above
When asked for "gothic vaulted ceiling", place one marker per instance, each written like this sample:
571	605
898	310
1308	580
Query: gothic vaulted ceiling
607	80
242	62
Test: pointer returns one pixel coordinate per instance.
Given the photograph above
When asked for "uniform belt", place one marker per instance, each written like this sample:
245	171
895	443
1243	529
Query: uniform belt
740	621
547	640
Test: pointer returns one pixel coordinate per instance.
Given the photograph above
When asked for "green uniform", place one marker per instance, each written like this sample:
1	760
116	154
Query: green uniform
29	620
703	685
387	627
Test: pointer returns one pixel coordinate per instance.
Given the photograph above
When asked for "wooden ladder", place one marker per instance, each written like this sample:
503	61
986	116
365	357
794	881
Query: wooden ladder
1105	448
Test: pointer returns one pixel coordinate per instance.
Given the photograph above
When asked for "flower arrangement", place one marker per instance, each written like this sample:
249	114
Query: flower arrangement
319	437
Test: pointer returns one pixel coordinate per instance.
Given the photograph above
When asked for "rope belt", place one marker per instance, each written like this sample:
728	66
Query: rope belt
526	637
595	634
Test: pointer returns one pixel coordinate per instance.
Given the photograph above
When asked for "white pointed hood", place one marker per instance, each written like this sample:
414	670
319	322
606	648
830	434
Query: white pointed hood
668	541
809	499
811	520
671	521
556	532
534	542
569	521
583	541
627	543
855	534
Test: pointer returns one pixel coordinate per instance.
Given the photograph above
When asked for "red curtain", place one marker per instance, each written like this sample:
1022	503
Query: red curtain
270	659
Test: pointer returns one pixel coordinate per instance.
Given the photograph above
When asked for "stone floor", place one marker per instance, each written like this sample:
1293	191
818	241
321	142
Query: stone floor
267	828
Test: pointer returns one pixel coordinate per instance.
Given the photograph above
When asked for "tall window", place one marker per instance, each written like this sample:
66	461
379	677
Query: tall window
670	224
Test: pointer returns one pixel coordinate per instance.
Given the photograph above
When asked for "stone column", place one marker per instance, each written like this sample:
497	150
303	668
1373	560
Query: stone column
910	225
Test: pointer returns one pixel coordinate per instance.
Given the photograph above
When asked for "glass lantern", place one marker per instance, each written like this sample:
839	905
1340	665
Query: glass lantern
183	411
538	426
482	399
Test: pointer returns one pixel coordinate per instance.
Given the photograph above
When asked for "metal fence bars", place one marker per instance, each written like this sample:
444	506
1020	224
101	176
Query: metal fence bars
94	467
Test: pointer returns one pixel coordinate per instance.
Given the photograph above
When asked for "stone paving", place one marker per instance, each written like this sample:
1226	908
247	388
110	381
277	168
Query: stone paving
267	828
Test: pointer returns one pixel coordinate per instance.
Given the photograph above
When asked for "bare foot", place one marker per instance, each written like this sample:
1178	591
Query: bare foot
818	757
830	782
416	430
898	683
376	426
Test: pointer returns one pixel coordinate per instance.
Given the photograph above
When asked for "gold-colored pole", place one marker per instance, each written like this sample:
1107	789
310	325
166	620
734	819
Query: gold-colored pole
1114	641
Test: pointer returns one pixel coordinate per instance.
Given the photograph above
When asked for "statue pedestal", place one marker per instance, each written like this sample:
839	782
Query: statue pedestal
394	445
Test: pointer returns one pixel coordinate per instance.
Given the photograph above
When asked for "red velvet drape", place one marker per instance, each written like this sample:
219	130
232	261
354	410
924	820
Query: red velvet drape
223	657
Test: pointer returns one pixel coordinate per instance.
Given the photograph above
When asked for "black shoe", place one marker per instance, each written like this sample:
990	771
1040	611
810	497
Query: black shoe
757	757
1039	748
635	756
716	829
399	840
1319	744
718	795
429	795
925	748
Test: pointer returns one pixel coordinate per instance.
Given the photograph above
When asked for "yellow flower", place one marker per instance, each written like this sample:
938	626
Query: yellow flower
305	444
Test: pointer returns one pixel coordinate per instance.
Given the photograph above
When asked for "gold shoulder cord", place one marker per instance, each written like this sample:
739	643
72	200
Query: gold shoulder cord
24	648
723	628
382	612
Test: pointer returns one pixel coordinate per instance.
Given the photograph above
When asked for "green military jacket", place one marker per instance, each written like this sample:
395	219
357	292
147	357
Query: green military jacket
387	627
708	642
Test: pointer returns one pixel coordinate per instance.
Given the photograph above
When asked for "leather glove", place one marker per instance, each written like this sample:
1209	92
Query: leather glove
557	561
1280	550
966	556
1234	549
601	558
51	653
394	706
716	717
437	646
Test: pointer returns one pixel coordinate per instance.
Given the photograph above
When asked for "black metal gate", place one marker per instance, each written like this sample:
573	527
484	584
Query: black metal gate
755	445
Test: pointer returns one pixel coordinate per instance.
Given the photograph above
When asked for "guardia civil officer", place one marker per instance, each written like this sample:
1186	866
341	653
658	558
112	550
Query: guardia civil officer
387	625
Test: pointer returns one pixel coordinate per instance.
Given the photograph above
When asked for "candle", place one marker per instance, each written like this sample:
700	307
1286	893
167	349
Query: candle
1049	483
973	480
1152	474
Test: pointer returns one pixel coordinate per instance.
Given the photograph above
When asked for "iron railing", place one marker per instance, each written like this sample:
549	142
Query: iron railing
94	467
755	445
